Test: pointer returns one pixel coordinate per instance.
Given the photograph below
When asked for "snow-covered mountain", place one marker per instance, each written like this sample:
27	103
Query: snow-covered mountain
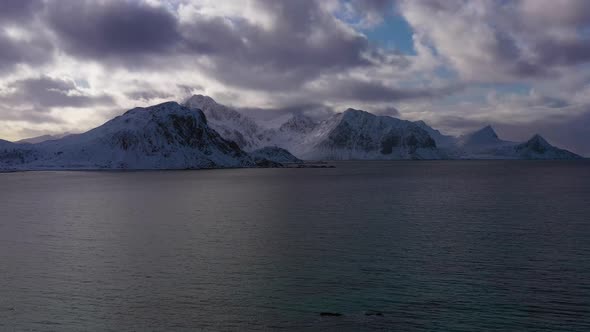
355	134
172	136
42	138
165	136
442	140
229	123
481	139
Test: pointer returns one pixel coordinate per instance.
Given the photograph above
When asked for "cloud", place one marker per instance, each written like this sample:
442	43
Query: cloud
17	10
376	91
315	111
14	52
504	40
126	31
368	13
303	41
44	93
147	95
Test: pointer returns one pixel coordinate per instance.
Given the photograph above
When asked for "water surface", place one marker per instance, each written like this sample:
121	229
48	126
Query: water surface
433	246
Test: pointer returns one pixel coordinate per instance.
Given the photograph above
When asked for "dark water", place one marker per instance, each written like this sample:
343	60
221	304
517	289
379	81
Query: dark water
433	246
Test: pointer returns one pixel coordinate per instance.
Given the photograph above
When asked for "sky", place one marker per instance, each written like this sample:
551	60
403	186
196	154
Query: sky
522	66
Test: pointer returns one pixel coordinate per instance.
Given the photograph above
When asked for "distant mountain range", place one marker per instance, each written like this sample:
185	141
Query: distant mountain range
355	134
204	134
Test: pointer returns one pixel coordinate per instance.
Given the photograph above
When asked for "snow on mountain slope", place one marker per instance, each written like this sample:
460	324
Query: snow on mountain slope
349	135
298	123
165	136
229	123
295	130
275	154
482	139
12	154
362	135
356	134
442	141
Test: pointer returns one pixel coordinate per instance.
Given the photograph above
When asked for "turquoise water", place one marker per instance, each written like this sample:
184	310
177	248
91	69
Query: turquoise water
432	246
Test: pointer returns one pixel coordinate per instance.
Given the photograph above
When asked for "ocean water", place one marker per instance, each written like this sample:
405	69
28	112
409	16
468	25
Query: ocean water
430	245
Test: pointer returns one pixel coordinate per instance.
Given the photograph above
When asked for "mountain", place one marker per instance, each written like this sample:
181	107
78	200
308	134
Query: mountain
538	148
352	134
486	144
165	136
228	122
298	123
481	139
15	154
274	154
442	141
356	134
172	136
43	138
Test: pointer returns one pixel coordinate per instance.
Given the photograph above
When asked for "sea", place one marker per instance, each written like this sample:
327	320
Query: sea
365	246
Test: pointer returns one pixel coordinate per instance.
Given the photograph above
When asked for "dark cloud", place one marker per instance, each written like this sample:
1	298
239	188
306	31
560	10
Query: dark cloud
28	115
45	93
375	91
17	10
304	41
15	52
113	30
315	111
564	52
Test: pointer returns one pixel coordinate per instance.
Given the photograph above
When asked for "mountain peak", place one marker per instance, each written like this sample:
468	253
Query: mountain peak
485	136
538	143
487	131
199	100
352	113
298	122
538	148
538	138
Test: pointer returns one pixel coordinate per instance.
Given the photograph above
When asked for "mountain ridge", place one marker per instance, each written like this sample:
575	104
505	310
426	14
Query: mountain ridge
163	136
301	136
174	136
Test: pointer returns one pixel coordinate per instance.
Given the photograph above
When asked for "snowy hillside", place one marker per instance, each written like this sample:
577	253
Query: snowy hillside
165	136
42	138
229	123
356	134
359	135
